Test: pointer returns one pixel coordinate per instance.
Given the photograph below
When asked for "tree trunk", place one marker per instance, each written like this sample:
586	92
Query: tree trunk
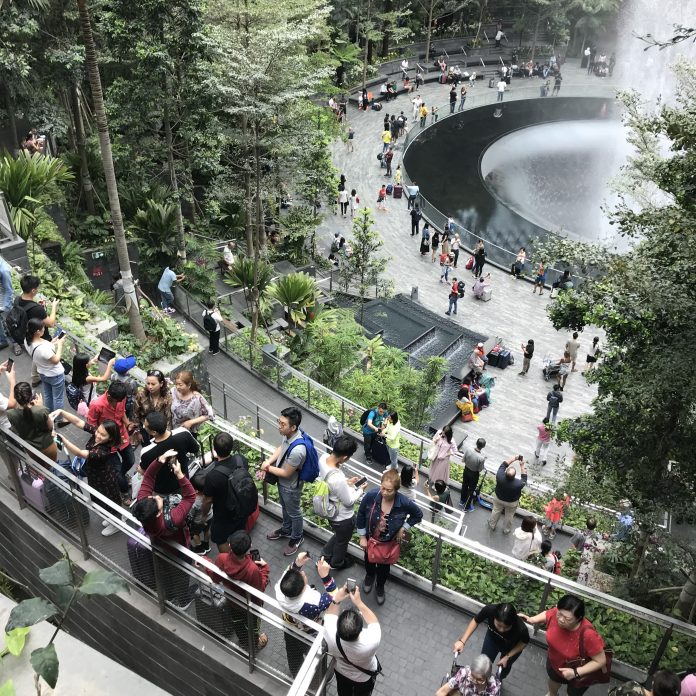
85	179
385	30
480	22
641	550
180	235
136	323
536	33
11	120
260	227
687	598
368	44
429	33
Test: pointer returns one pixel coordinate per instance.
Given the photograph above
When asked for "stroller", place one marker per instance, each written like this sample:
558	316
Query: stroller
551	367
456	667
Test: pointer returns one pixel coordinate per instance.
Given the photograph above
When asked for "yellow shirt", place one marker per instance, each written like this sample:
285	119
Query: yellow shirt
423	111
386	137
397	176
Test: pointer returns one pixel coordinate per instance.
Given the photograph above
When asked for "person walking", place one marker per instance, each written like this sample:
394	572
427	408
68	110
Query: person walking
479	258
508	489
592	355
462	97
354	202
388	157
384	518
556	85
353	637
412	191
453	98
506	635
285	463
453	297
416	216
423	114
501	89
350	141
554	399
342	498
445	265
343	196
543	440
572	346
528	352
474	462
166	282
435	243
425	240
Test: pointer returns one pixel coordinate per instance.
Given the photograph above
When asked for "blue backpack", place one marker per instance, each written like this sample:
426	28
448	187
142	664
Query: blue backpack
310	469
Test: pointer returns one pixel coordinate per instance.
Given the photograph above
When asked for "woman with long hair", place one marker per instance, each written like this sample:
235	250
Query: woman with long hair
154	396
46	356
83	380
189	408
31	421
443	448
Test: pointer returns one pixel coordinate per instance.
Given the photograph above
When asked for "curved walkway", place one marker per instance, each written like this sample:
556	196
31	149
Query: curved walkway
519	403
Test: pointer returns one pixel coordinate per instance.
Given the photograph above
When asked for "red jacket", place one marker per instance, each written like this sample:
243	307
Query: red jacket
156	529
100	410
243	569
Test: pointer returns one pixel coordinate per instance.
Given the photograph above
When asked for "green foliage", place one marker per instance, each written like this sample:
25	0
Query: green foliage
200	268
45	664
297	227
7	689
297	292
102	582
16	639
155	227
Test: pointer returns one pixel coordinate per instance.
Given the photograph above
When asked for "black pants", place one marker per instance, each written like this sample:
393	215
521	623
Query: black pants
491	648
469	483
296	651
380	571
367	445
478	267
214	346
344	206
334	550
414	228
122	462
456	257
348	687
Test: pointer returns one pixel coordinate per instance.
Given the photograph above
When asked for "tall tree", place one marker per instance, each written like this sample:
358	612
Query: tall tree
136	324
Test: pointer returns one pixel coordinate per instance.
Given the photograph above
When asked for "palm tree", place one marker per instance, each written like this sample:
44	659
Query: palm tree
297	292
136	323
254	277
155	226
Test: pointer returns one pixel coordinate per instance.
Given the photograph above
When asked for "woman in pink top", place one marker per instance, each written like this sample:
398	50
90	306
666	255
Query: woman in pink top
444	448
543	440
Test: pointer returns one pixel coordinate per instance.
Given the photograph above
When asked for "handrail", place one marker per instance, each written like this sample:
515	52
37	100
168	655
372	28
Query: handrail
20	454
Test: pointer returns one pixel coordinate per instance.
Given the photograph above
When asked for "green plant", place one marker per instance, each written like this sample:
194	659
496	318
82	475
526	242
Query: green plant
68	590
297	292
155	227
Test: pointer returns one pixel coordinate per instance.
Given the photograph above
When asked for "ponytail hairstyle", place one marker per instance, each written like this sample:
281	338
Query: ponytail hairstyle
24	395
33	326
186	376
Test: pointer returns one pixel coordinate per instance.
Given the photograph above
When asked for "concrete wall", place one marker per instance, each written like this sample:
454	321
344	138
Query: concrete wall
126	628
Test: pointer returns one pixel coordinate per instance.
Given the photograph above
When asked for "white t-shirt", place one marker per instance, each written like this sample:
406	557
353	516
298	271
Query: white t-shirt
343	196
215	314
501	86
41	354
228	256
341	494
4	422
360	652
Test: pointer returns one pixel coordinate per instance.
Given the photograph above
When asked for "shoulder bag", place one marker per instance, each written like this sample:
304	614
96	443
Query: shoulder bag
600	676
369	672
384	552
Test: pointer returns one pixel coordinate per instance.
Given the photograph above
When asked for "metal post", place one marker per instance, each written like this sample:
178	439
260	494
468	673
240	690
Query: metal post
343	413
436	561
251	357
251	634
330	281
309	392
420	454
660	650
224	402
159	581
80	525
12	467
543	602
258	421
278	374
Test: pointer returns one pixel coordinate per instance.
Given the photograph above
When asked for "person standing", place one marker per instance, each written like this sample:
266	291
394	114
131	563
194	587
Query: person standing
506	635
518	266
540	279
442	449
527	539
46	356
392	434
508	489
501	89
353	637
563	370
416	216
453	98
285	463
554	399
572	346
462	97
435	244
354	202
479	258
456	243
343	194
388	157
474	462
423	114
350	142
7	297
211	323
445	265
543	440
384	517
556	84
166	281
373	426
453	297
592	355
386	136
413	192
342	498
528	353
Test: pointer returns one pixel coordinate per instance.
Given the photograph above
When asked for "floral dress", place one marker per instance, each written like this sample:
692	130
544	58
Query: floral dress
100	474
186	409
463	683
144	404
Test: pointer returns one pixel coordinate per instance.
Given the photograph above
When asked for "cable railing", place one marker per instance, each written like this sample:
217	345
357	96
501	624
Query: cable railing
496	254
165	573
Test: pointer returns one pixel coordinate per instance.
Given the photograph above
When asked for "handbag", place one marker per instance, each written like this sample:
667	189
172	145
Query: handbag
600	676
385	552
432	451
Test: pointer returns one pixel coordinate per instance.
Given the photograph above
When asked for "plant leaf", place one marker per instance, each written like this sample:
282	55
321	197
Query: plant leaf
15	640
30	612
45	664
63	595
7	689
60	573
103	582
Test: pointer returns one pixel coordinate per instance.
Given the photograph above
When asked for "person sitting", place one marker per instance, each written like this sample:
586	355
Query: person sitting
475	679
565	282
333	259
465	404
479	286
477	359
391	91
228	253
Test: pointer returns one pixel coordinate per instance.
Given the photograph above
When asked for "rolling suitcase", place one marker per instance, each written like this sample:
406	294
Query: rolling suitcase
504	359
141	562
487	293
493	358
380	453
398	191
390	189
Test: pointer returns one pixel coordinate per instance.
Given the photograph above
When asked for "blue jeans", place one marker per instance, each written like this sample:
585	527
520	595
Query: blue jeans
53	391
393	457
461	104
292	512
4	335
491	647
167	299
452	304
444	273
500	96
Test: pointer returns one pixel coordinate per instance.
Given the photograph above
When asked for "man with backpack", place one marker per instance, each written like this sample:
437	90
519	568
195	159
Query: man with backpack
371	421
211	323
230	489
286	465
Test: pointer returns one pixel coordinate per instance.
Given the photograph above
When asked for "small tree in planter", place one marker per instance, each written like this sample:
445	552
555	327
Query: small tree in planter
297	292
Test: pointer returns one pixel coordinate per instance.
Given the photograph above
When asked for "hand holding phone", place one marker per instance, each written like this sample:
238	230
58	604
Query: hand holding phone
255	555
8	364
360	482
351	585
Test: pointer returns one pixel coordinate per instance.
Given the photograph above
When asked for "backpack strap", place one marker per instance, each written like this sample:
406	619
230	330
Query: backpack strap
369	672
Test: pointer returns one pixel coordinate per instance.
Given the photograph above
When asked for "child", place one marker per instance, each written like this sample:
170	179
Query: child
382	197
439	493
554	510
552	559
543	442
409	481
197	525
578	539
211	323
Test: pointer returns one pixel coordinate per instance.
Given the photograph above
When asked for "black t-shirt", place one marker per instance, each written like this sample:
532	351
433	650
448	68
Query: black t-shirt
34	310
216	488
518	631
528	351
184	443
509	491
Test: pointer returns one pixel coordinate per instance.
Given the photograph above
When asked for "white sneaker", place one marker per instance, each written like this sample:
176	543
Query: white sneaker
105	522
109	530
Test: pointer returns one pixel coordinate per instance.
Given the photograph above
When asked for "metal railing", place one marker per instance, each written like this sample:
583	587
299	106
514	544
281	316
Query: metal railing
496	254
166	574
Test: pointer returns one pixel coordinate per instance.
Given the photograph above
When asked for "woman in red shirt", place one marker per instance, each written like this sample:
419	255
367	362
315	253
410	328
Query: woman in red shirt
570	638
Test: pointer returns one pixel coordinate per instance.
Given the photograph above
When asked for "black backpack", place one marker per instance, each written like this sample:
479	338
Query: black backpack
209	324
460	288
16	320
242	494
365	416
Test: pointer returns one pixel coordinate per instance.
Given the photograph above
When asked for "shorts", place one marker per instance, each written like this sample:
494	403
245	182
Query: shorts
591	359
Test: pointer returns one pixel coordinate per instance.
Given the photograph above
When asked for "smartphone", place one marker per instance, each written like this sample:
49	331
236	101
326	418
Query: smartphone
105	355
59	442
360	482
255	554
351	585
61	423
10	363
61	333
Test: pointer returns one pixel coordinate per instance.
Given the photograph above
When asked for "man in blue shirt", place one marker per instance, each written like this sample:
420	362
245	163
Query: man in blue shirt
169	277
372	427
6	301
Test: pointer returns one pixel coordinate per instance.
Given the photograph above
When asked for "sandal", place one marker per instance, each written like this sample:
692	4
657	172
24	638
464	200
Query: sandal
262	642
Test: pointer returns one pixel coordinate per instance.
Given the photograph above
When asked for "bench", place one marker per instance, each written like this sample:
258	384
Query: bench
465	370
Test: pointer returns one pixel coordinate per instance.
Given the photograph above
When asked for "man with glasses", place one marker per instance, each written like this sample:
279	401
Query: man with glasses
285	464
